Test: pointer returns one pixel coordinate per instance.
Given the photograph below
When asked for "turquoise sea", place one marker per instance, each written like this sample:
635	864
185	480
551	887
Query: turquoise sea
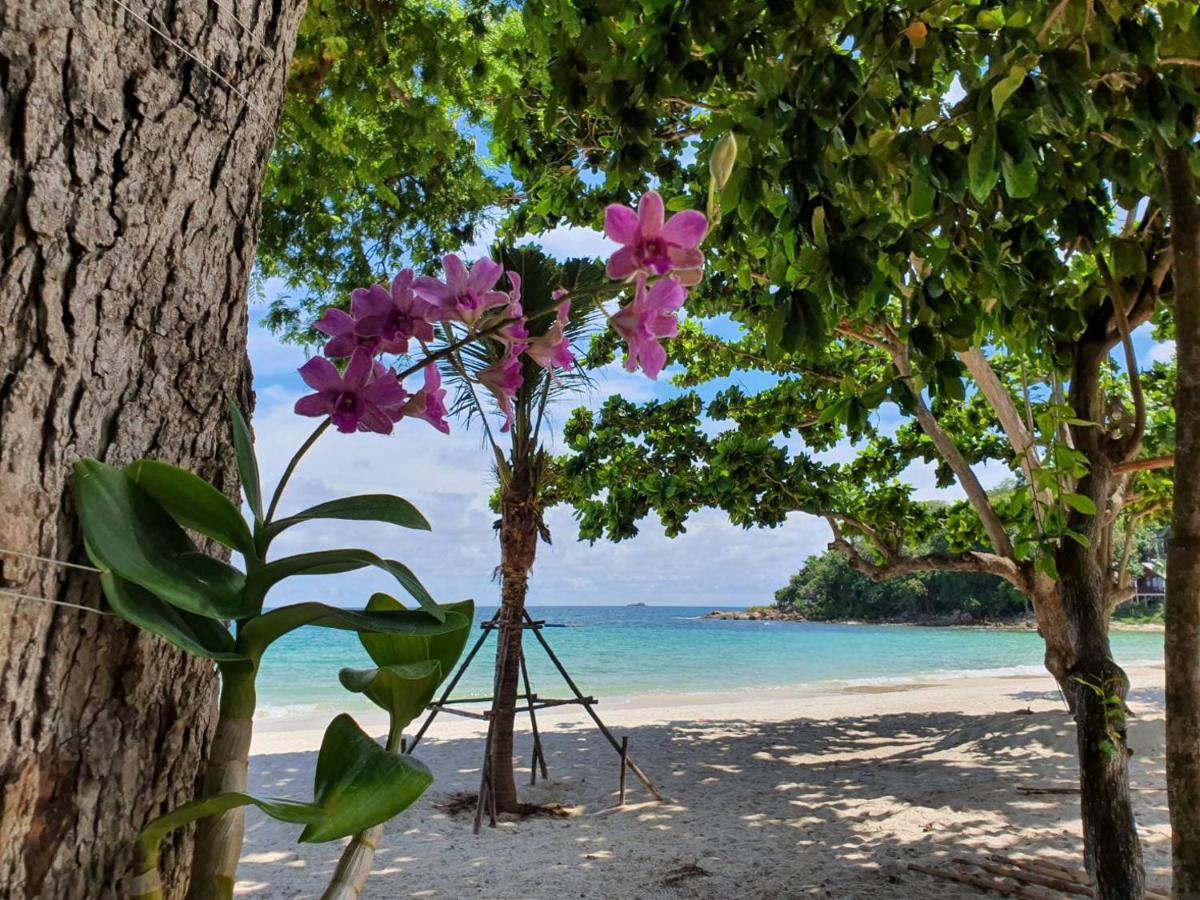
624	651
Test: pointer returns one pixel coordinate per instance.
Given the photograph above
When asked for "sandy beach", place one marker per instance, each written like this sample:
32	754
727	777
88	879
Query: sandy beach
771	795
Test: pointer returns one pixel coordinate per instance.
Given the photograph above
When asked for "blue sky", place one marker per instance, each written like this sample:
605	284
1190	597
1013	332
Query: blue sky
449	479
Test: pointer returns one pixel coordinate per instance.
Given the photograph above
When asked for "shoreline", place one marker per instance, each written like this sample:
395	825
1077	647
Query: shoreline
767	614
918	694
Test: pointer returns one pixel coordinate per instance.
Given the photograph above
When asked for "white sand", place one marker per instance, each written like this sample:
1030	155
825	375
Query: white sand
778	795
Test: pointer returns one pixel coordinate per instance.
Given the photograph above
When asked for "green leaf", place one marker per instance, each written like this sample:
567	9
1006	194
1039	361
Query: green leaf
1006	87
990	19
1020	176
1047	566
193	503
403	690
131	535
243	446
389	649
364	507
283	810
1080	503
359	784
818	227
333	562
981	164
197	635
920	196
260	632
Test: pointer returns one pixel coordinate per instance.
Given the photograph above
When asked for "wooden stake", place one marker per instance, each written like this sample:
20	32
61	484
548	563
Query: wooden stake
539	755
624	767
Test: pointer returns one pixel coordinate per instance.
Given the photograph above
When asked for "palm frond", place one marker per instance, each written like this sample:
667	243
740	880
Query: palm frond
541	276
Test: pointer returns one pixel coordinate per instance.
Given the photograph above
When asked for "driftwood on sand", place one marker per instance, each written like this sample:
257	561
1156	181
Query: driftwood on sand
1033	879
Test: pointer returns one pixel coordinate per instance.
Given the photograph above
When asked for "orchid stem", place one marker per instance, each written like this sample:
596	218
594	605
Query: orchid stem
291	467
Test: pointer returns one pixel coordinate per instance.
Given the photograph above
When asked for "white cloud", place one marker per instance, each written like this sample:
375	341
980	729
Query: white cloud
567	241
1163	352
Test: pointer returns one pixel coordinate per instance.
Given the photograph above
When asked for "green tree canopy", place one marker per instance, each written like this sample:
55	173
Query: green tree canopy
952	209
376	165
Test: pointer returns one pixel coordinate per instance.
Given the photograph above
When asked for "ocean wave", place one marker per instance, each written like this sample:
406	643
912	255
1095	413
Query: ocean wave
270	711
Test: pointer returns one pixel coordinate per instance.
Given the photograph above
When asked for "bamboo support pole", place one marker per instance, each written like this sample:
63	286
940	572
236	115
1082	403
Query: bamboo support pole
633	767
539	755
437	707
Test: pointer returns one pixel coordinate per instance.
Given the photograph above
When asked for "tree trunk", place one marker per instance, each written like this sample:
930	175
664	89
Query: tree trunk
128	219
1182	649
1111	847
1055	632
518	545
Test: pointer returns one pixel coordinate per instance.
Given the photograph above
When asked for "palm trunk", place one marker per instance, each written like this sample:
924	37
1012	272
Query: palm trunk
219	837
518	545
354	866
1182	648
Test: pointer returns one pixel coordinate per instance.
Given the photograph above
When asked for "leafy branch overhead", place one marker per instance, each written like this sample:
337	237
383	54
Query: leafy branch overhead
931	216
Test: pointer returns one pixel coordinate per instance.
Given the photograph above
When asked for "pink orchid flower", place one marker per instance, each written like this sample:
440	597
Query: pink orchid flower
466	293
363	398
650	317
552	348
504	379
514	336
429	403
649	246
379	320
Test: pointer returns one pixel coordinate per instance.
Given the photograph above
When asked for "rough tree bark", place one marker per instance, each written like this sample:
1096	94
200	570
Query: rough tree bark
129	214
518	546
1182	649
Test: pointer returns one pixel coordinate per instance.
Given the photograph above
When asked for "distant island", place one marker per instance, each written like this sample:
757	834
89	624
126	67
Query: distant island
828	589
635	604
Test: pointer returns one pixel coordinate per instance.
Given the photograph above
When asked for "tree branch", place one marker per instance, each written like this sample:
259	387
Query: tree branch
967	479
998	397
897	566
1144	465
1131	445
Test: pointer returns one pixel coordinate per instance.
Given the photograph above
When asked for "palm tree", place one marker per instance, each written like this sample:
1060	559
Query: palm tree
524	471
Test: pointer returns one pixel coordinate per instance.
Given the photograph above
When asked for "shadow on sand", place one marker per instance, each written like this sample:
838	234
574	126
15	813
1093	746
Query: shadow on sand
802	808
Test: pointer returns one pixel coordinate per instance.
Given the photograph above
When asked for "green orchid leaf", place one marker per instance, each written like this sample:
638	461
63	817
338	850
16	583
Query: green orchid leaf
333	562
130	534
193	503
151	837
364	507
359	784
197	635
399	649
404	691
243	446
260	632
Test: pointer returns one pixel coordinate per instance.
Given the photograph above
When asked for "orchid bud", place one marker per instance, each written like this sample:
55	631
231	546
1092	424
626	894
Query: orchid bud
720	164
